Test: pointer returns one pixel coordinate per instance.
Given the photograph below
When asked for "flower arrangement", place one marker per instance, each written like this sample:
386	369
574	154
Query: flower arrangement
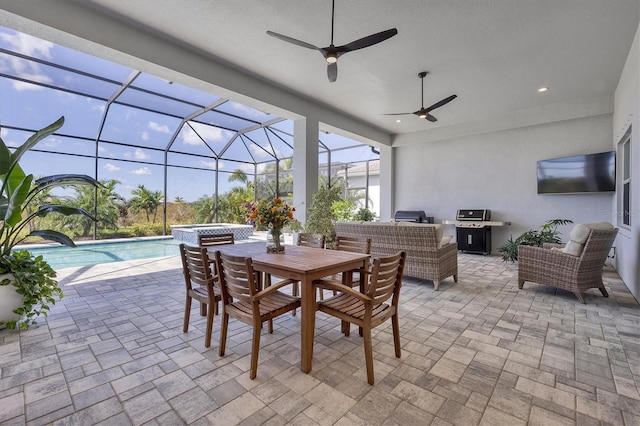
273	214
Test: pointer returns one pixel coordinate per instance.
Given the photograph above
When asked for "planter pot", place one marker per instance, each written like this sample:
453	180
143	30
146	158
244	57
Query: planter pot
9	300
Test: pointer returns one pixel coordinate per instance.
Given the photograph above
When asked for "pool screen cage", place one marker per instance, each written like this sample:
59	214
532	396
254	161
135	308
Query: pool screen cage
140	130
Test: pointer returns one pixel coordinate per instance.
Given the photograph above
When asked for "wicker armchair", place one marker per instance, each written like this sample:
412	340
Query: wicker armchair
573	273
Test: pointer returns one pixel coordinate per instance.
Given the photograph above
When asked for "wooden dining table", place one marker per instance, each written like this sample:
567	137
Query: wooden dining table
304	264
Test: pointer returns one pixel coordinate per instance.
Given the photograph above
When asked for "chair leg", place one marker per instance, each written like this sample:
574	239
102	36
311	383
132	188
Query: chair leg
580	297
604	291
270	329
346	328
223	332
520	284
187	313
395	322
294	292
209	332
255	348
368	354
203	309
455	278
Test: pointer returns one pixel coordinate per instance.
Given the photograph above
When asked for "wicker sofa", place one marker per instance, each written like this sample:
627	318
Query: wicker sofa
429	255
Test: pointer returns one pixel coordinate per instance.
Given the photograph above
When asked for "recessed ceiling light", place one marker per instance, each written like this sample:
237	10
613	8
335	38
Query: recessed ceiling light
398	121
543	89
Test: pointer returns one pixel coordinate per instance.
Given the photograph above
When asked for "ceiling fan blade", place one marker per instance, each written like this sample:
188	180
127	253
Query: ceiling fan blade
292	40
431	118
332	71
399	113
441	103
367	41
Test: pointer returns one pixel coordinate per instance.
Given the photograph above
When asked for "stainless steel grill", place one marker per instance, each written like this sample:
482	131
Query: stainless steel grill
473	230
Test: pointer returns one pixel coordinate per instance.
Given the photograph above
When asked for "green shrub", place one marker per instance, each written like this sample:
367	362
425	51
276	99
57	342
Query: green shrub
364	214
146	229
547	234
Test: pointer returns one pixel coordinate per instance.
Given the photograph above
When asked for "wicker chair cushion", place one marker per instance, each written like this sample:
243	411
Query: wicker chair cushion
579	235
446	239
437	227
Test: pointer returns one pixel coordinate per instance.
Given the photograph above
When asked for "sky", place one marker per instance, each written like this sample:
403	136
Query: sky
132	140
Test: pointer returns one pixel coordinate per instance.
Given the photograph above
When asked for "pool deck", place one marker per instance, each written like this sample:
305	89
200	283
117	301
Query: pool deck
479	351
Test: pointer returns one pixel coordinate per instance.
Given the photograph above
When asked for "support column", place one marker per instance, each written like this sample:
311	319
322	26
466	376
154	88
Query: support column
386	183
305	164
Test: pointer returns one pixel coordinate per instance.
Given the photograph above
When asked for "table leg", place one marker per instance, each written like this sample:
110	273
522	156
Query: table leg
308	317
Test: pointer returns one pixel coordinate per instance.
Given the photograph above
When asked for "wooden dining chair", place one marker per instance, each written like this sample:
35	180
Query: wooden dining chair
212	240
200	285
307	240
242	300
355	245
367	310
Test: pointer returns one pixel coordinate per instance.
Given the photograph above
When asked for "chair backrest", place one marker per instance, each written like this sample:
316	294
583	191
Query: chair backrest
195	266
386	278
310	240
597	247
209	240
236	278
353	244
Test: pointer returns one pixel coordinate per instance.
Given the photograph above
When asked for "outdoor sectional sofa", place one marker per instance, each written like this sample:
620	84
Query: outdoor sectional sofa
429	255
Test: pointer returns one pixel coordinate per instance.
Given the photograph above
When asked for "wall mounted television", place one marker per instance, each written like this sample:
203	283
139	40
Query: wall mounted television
578	174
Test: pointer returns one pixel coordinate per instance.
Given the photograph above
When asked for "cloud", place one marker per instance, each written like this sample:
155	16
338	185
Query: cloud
145	136
247	111
209	164
141	171
208	133
264	150
159	127
111	168
102	148
29	70
139	154
51	142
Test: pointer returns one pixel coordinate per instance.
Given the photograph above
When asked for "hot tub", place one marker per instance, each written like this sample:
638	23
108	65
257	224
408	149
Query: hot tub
189	233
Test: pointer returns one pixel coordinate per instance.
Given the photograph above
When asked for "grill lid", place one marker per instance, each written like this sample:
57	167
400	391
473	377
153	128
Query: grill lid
411	216
473	214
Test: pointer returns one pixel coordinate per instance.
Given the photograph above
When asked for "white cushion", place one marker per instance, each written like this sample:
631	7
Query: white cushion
580	233
446	239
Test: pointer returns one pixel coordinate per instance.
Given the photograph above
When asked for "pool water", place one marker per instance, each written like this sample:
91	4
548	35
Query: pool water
85	254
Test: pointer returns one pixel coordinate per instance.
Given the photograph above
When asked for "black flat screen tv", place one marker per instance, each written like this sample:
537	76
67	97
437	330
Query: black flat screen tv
578	174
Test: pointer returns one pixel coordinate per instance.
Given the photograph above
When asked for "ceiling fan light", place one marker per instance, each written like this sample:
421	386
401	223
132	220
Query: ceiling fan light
423	115
332	58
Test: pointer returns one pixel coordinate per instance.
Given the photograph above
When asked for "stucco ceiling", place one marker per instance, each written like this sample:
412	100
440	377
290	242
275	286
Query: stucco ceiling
493	54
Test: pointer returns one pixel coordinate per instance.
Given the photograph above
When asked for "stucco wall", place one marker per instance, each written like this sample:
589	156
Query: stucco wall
497	171
626	114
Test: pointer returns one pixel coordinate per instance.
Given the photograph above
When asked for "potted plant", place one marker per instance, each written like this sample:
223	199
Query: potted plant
27	284
548	234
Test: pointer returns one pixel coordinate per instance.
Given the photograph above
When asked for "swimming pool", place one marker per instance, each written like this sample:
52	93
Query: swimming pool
93	253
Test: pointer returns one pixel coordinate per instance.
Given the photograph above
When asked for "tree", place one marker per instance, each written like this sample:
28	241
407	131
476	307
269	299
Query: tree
145	200
205	209
108	208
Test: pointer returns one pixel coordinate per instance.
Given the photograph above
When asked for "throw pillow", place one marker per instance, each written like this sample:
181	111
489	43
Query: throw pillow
580	233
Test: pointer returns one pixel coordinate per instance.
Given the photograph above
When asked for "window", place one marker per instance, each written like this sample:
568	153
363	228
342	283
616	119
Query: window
624	197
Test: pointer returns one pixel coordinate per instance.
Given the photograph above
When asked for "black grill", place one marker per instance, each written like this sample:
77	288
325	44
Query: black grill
418	216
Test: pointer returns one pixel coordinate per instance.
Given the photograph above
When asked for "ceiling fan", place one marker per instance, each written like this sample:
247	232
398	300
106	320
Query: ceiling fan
424	112
331	53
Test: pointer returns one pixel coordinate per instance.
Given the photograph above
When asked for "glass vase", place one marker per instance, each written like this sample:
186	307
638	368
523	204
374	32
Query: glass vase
275	240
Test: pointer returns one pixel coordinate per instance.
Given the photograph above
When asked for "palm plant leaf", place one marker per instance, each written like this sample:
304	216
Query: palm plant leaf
54	236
